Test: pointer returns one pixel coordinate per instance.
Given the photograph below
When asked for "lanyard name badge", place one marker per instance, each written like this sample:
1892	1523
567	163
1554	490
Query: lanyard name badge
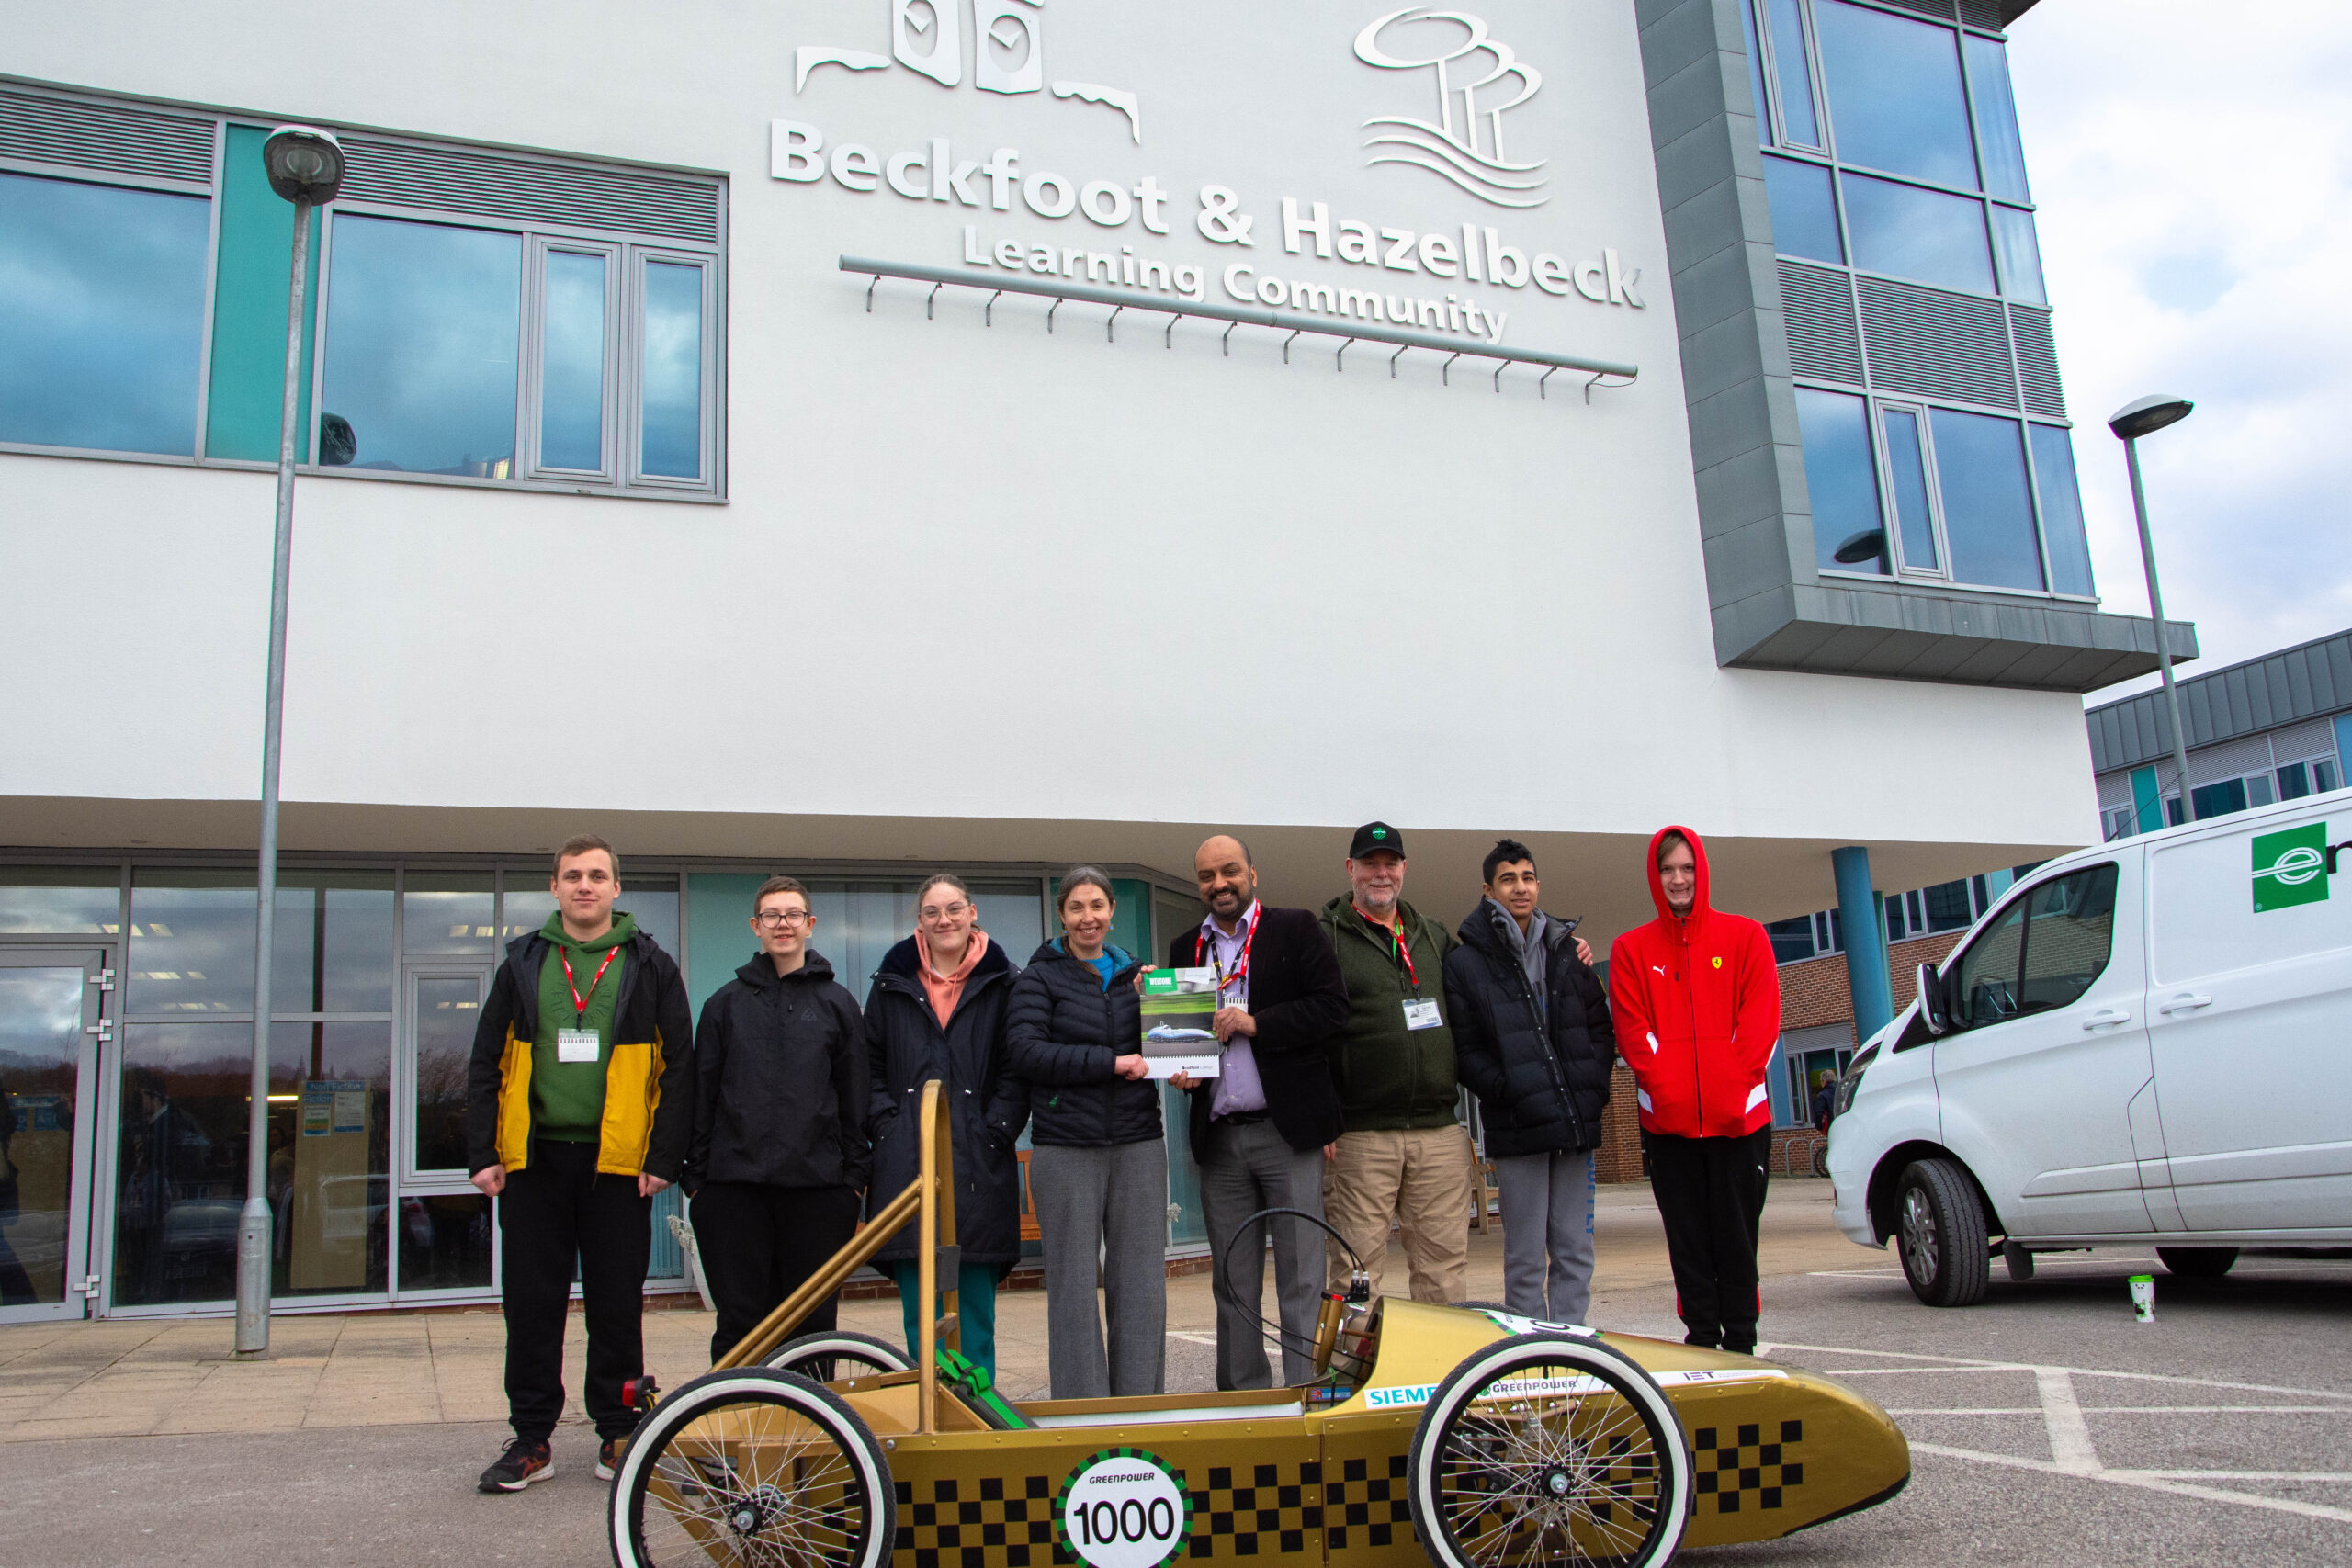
581	1045
1421	1012
1239	976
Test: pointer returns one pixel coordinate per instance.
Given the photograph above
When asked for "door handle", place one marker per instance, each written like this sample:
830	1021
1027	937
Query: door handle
2106	1018
2187	1001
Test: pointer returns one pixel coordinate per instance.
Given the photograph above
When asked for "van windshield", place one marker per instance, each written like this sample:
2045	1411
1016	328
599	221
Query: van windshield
2042	952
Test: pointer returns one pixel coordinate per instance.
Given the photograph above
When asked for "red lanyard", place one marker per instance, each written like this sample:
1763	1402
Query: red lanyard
1241	972
580	1003
1404	955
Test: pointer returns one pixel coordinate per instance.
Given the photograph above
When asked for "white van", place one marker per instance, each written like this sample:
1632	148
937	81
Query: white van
2147	1042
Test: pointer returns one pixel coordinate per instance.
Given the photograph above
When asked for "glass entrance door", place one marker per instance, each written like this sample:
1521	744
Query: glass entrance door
52	1015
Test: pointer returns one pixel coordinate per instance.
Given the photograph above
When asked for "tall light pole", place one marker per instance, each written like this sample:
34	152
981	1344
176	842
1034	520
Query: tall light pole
305	166
2144	416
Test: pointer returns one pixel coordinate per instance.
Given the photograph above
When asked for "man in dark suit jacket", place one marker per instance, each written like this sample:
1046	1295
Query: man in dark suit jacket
1260	1128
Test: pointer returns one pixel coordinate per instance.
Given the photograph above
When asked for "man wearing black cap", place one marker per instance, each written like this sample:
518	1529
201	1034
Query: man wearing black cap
1405	1155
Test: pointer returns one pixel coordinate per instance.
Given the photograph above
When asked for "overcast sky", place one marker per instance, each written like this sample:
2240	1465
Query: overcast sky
2193	167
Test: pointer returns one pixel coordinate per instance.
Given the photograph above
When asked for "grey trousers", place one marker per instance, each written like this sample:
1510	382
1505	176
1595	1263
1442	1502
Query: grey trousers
1110	1203
1547	1233
1252	1167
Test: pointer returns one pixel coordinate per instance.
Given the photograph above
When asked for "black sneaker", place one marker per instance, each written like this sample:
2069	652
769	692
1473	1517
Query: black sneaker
608	1456
522	1463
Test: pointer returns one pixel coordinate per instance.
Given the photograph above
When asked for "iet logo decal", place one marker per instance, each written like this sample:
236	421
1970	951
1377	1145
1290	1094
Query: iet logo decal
2291	867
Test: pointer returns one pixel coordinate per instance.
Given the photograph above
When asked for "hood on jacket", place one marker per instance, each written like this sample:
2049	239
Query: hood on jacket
1700	908
1121	959
760	973
905	960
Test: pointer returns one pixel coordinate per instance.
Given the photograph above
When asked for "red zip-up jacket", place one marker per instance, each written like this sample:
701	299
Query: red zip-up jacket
1696	1002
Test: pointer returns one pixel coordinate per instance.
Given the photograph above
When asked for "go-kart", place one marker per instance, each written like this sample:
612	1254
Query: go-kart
1472	1437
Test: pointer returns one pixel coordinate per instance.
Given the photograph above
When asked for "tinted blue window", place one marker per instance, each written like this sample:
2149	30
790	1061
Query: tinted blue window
1848	532
2062	509
1756	74
1989	508
2021	255
1907	462
1998	145
572	372
1894	93
423	325
1804	213
672	435
1792	75
2220	799
1907	231
101	315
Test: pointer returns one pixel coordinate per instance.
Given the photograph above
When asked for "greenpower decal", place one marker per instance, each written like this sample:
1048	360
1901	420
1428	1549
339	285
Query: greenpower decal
2291	867
1123	1508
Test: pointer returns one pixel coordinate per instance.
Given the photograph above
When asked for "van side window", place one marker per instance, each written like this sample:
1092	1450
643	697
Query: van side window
2043	951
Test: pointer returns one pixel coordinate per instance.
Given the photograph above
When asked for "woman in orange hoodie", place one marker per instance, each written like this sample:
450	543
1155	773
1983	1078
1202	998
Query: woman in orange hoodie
1695	998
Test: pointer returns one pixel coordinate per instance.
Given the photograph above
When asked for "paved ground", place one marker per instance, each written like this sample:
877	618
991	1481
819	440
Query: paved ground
2047	1426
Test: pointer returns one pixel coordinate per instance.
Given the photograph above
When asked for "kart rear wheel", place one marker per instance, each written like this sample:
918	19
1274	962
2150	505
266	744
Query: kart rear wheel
1941	1231
833	1353
756	1467
2199	1262
1549	1449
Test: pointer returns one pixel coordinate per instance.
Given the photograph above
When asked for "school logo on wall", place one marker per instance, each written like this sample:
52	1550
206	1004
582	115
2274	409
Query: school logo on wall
2292	867
1007	52
1477	79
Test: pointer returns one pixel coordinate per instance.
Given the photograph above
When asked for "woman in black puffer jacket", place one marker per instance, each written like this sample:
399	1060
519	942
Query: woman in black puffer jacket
1099	1175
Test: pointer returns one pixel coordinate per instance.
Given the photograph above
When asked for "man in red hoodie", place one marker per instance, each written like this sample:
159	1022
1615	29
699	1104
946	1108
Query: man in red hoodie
1696	1001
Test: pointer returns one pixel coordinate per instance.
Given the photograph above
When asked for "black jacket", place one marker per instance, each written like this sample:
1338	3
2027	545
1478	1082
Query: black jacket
1541	1084
780	1081
648	1093
1300	1004
1067	1030
987	1105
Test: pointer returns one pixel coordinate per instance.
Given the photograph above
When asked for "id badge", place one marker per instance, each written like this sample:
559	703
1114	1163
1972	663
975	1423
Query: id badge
579	1044
1422	1014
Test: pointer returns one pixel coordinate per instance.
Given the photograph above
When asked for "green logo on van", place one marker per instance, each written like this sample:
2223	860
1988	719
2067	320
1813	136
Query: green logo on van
2290	868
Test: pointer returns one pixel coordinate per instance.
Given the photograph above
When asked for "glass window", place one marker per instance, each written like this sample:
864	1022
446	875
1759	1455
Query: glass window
424	322
2219	799
444	1242
2062	509
1989	511
191	944
75	900
1895	93
1792	940
2070	930
1804	213
2257	790
2323	776
1947	906
332	943
572	353
651	897
1907	462
2294	782
1849	535
669	438
2021	255
447	1008
1997	144
1988	970
1907	231
101	315
1792	71
1756	74
447	914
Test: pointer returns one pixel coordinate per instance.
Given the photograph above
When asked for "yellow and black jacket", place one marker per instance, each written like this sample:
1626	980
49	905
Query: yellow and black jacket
649	1097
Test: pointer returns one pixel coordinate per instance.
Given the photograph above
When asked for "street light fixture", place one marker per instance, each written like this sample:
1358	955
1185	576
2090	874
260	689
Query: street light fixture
2145	416
305	166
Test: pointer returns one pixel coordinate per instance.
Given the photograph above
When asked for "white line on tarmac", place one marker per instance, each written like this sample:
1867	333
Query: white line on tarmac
2128	1410
2070	1435
2145	1481
1968	1364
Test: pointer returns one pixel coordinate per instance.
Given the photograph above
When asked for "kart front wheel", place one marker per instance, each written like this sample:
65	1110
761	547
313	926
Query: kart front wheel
832	1354
1549	1449
752	1466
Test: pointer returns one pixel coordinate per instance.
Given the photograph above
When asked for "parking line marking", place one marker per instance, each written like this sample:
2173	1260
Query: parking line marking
2145	1481
2128	1410
2070	1435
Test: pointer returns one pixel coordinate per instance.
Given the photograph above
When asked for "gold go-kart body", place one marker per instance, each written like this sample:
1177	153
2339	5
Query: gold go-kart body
1466	1437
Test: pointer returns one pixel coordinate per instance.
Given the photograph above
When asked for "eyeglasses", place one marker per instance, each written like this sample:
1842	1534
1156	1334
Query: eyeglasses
945	911
773	918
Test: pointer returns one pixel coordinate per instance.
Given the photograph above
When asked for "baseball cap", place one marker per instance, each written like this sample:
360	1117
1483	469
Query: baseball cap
1376	836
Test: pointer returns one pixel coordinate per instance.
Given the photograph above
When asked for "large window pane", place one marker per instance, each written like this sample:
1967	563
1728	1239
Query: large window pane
1804	213
447	1009
1895	93
1907	462
652	898
571	374
2062	509
330	942
2070	931
424	322
1988	512
101	315
75	900
1793	73
1996	118
191	944
670	433
447	914
2219	799
2021	255
444	1242
1848	534
1948	906
1908	232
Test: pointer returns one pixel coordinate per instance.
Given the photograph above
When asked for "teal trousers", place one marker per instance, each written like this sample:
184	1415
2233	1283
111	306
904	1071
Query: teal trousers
975	1308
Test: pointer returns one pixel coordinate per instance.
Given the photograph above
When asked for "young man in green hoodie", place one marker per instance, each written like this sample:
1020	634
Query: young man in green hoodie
578	1109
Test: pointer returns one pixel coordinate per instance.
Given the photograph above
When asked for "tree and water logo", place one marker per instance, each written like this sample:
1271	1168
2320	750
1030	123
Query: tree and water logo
2292	867
1477	79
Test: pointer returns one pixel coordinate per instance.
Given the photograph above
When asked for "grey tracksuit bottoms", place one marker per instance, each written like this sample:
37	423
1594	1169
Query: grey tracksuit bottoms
1547	1233
1111	1203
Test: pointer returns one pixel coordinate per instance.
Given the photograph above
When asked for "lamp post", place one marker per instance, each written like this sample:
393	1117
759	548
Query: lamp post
2145	416
305	166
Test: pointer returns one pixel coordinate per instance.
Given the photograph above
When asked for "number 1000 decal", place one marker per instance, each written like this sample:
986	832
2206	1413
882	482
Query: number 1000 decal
1125	1508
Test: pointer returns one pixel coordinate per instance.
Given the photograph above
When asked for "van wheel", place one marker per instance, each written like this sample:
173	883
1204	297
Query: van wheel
1939	1226
2199	1262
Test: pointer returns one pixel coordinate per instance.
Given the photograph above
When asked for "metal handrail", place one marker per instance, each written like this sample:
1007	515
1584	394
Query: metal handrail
1278	320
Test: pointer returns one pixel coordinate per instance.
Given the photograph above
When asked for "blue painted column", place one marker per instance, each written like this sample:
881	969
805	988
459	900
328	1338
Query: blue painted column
1865	941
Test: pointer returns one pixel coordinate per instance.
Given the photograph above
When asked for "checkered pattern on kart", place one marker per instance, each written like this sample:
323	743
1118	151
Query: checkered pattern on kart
1729	1472
993	1522
1241	1511
1256	1510
1361	1508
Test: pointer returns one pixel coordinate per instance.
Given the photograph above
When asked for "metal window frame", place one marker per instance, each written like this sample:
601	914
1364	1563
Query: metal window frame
1810	57
633	410
1919	408
530	417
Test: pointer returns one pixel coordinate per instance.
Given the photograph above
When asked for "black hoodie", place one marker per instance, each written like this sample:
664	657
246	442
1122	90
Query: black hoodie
780	1081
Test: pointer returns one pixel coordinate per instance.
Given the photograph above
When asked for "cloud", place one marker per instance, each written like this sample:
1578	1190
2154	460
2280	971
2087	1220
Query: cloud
2194	177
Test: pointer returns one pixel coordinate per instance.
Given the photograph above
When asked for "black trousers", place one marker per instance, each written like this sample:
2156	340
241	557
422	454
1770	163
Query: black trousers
1710	1192
759	1244
558	1210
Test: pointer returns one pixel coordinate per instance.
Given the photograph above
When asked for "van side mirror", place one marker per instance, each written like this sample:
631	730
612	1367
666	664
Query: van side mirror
1932	1009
